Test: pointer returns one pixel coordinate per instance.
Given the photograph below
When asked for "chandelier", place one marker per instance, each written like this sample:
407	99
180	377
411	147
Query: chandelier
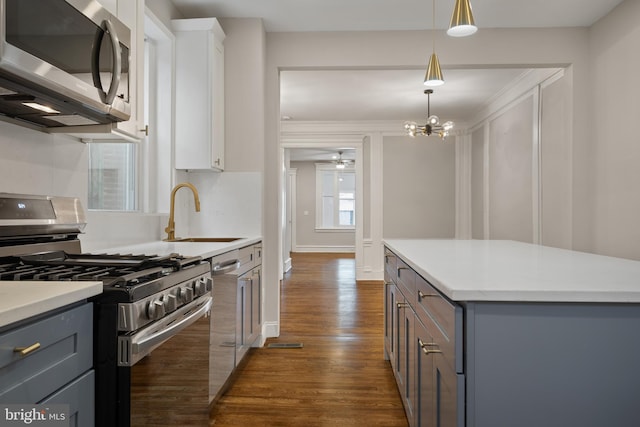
433	123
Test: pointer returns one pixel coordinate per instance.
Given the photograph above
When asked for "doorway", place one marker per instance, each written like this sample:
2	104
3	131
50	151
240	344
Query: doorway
305	165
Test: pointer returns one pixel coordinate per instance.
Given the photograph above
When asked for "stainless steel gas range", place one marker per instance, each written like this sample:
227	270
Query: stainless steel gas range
151	318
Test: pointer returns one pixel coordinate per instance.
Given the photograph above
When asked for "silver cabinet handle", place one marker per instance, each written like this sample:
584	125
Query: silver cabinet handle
402	304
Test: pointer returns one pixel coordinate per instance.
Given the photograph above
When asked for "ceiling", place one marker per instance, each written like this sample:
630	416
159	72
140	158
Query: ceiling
379	15
358	95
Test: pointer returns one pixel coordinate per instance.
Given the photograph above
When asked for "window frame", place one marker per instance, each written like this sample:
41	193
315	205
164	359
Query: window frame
321	168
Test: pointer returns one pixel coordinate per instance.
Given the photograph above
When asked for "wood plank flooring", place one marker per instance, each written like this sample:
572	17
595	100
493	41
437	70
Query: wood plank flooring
339	377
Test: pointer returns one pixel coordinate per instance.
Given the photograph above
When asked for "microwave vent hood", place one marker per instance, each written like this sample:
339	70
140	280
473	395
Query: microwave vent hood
63	64
19	100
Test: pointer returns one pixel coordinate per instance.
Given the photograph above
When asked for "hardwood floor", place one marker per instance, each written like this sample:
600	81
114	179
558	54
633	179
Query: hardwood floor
339	377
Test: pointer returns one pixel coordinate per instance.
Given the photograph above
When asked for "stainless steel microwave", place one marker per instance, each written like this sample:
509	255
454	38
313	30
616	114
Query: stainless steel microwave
63	63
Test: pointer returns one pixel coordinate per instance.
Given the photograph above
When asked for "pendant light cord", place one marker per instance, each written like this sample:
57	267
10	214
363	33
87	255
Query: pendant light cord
433	26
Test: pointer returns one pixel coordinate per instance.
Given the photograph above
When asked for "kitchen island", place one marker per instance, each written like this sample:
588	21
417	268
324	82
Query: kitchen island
517	334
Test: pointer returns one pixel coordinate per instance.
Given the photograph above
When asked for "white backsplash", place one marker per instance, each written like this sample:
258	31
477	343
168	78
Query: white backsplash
230	204
111	229
33	162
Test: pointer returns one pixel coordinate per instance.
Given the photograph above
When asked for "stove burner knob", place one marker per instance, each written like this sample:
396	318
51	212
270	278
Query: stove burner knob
200	287
186	294
155	309
170	302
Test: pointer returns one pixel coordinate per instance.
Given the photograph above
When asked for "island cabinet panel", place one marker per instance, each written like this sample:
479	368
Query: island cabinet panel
389	320
423	342
514	334
553	364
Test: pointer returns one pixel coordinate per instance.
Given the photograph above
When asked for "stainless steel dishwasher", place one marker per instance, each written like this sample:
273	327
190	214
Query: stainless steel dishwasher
224	269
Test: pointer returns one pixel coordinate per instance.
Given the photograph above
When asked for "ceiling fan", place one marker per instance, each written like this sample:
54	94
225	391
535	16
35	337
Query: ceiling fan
340	162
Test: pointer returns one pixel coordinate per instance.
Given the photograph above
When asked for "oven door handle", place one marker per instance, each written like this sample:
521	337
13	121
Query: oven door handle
135	347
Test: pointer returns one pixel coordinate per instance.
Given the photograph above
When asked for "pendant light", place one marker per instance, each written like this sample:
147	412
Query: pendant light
434	73
462	23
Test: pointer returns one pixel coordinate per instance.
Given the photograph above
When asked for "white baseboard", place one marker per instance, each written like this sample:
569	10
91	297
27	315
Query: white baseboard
368	274
270	329
326	249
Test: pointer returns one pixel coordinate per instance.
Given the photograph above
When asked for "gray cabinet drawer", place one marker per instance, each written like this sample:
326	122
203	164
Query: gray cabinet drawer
406	281
79	395
432	307
65	352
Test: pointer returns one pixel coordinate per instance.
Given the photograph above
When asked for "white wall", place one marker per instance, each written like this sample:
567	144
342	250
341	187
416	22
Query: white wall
510	152
614	100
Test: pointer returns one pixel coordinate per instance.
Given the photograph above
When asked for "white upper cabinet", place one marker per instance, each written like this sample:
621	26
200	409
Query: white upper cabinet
131	13
199	94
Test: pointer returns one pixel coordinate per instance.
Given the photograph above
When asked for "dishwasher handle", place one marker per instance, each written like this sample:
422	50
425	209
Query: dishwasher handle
225	267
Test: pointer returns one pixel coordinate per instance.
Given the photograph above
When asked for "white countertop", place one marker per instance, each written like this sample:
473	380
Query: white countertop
501	270
23	299
201	249
20	300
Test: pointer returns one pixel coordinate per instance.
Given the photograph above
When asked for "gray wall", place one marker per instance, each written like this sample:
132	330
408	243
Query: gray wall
418	187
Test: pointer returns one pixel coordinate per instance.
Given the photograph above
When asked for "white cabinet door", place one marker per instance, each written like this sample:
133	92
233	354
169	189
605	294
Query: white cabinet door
199	94
131	13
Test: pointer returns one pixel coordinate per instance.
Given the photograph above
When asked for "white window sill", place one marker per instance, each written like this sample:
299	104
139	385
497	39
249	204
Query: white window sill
335	230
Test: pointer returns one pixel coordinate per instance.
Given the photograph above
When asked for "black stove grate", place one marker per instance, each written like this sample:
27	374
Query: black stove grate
115	270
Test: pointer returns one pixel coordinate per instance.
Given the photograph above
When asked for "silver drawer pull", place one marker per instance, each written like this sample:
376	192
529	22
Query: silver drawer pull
26	350
402	304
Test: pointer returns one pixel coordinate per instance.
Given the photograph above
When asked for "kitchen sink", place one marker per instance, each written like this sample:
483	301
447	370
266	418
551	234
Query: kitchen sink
205	239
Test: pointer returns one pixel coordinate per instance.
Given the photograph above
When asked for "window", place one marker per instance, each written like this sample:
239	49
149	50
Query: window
112	176
137	177
335	197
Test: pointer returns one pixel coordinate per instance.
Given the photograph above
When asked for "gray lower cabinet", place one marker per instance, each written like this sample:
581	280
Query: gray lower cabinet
420	342
249	305
49	360
509	363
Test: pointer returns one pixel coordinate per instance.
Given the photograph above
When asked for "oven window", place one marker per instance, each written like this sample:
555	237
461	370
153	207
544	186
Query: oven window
112	176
